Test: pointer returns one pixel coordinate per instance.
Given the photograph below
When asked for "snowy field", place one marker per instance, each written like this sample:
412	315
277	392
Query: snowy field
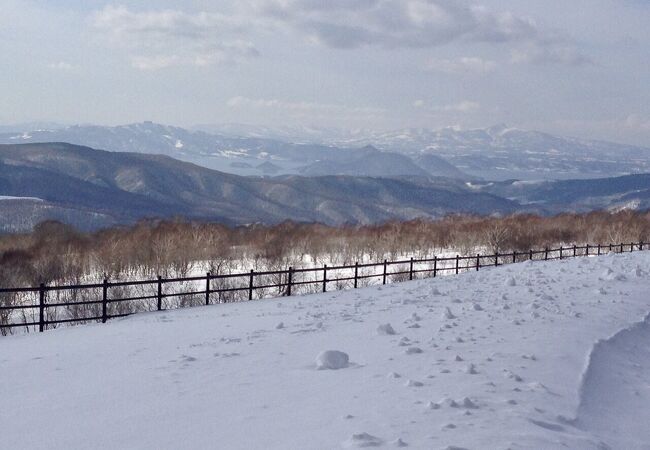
526	356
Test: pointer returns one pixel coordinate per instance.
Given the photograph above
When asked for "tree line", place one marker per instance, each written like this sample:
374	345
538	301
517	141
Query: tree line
57	253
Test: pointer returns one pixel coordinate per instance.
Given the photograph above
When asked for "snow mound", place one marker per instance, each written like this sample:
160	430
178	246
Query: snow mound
385	330
363	440
332	360
611	397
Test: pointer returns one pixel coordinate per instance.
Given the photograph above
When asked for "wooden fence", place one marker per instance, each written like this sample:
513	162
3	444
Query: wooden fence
40	308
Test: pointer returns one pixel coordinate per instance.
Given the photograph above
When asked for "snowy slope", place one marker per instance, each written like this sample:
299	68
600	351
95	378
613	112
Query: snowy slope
528	356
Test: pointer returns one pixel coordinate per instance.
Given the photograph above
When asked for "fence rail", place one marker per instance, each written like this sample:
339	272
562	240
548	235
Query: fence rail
37	308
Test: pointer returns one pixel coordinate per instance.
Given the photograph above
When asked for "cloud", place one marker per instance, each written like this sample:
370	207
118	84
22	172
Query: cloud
162	38
463	65
60	65
464	106
397	23
158	39
303	109
636	122
552	53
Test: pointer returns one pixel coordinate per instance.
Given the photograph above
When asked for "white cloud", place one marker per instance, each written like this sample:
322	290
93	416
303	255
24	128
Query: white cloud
551	53
167	37
466	106
306	109
420	24
159	39
637	123
60	65
463	65
397	23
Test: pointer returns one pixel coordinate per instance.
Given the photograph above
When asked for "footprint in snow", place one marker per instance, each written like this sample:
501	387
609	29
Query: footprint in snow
547	425
448	314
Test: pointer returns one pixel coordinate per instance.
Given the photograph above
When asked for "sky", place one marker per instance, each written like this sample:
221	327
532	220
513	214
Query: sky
578	67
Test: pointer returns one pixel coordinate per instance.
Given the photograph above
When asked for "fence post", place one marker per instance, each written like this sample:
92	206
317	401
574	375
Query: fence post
599	249
457	256
207	288
574	250
250	285
478	261
514	256
530	258
435	266
159	292
610	247
496	259
356	273
385	270
561	252
325	278
621	247
587	250
289	281
411	269
104	300
41	308
631	247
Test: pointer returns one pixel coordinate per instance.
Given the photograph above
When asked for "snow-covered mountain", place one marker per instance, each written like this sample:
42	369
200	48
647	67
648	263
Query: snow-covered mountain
501	153
257	156
529	356
496	153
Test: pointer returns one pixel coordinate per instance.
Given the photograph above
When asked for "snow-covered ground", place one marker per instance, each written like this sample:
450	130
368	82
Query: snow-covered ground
526	356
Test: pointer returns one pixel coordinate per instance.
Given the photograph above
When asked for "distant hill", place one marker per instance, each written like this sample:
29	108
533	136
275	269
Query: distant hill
93	188
631	192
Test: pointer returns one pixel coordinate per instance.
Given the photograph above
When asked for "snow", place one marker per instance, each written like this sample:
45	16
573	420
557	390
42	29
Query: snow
9	197
569	372
385	329
332	360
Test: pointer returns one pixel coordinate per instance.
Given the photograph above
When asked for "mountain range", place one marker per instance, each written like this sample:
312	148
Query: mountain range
502	153
93	188
497	153
494	153
241	155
